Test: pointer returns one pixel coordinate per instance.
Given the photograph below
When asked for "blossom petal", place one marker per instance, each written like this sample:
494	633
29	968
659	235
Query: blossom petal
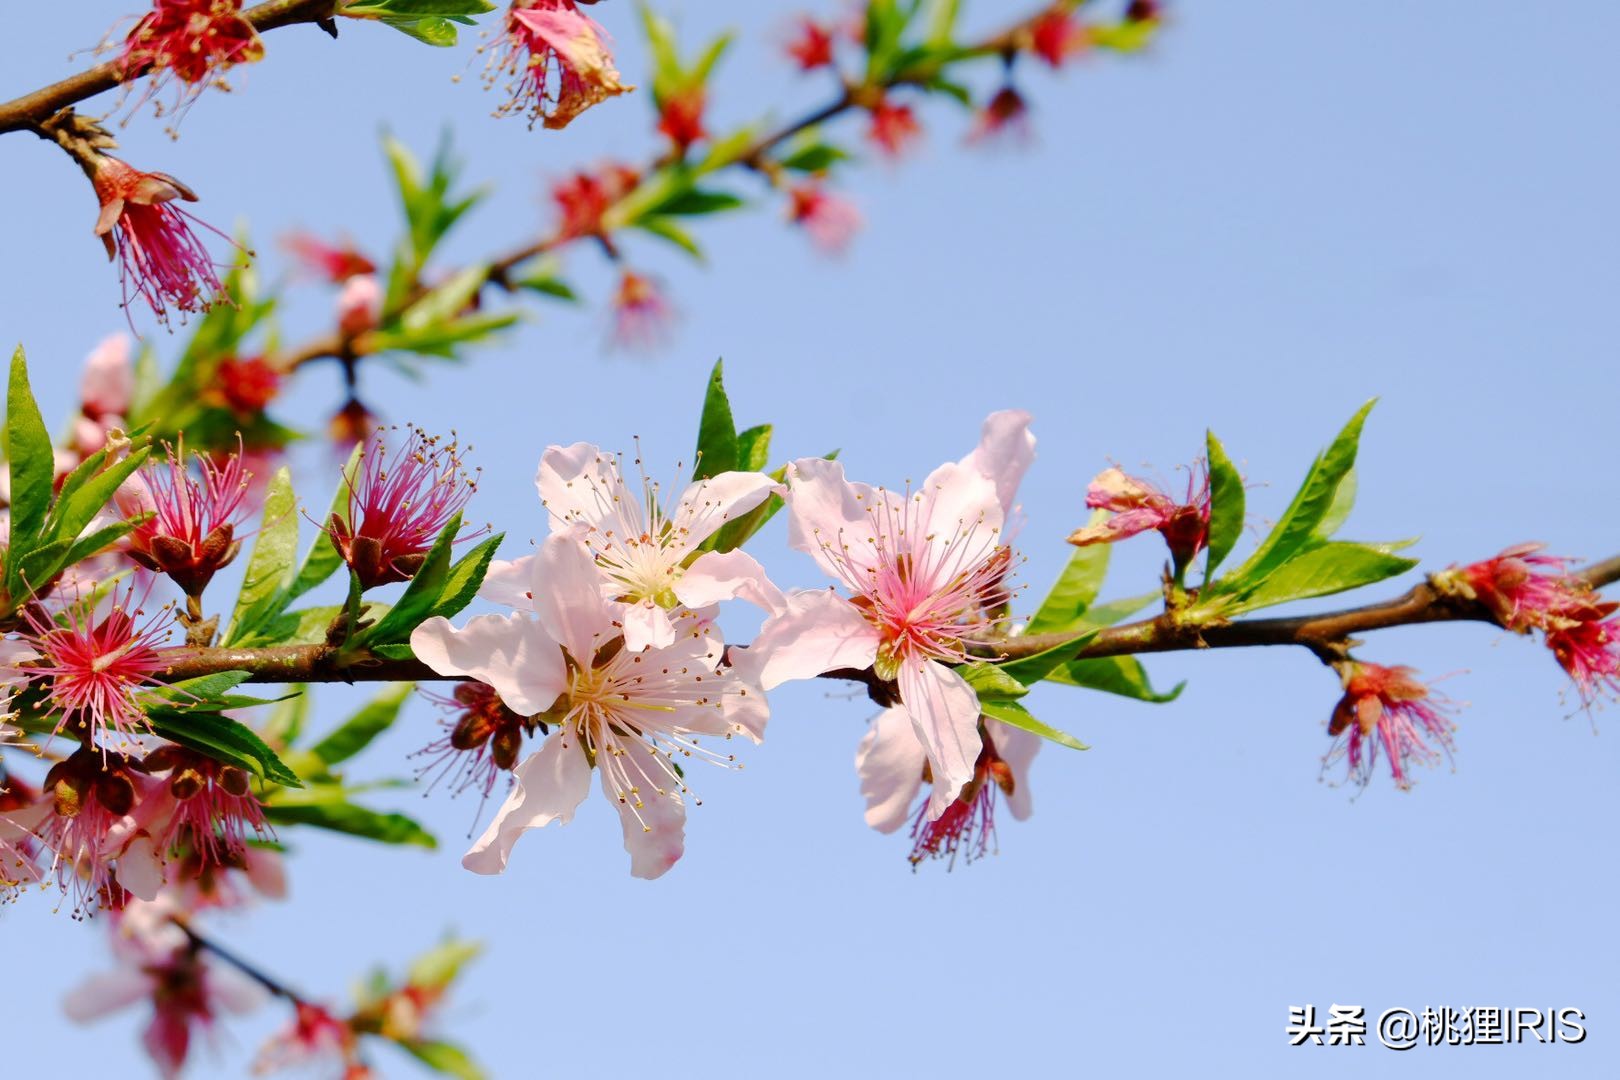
708	504
1017	748
819	631
549	786
1006	449
106	993
512	653
233	991
140	870
890	763
509	583
646	626
568	597
578	484
962	518
1119	527
654	820
826	509
945	715
732	575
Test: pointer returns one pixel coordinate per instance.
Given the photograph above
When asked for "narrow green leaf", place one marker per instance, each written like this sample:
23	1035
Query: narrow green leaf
754	448
466	577
440	966
28	445
1114	611
1344	500
271	563
990	682
78	508
1329	567
195	693
324	558
1122	675
1032	669
696	201
357	732
1010	712
442	8
352	820
1075	590
223	739
717	432
421	597
445	1058
665	229
1226	508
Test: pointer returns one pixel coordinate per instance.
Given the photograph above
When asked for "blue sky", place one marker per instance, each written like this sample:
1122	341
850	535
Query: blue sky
1279	212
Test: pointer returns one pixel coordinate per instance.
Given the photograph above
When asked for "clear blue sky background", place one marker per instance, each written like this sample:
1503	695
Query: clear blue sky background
1281	211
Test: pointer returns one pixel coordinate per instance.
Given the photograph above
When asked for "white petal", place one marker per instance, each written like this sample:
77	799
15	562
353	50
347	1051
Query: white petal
962	519
512	653
233	991
819	631
654	823
549	786
568	597
945	715
1005	451
824	510
106	993
890	764
578	484
646	626
1017	748
140	870
509	583
708	504
733	575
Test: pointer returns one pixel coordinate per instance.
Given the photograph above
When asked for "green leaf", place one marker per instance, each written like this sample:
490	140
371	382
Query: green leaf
357	732
1226	508
77	507
324	558
754	448
696	201
1328	567
352	820
197	693
271	563
1344	500
447	301
28	445
990	683
446	1058
1308	510
1010	712
440	966
1030	670
421	597
1075	590
665	229
223	739
1118	610
1122	675
466	577
717	432
440	33
360	9
813	157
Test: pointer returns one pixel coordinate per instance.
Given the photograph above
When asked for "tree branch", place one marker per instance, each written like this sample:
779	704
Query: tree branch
30	110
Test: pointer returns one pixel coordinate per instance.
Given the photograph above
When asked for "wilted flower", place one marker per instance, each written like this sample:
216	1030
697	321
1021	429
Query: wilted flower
893	767
630	715
680	116
558	61
1525	589
160	258
1386	710
86	820
191	532
1590	653
641	314
1139	506
195	41
812	44
92	668
894	127
585	196
315	1036
484	740
1058	35
398	506
202	808
336	263
1005	114
159	964
248	385
830	220
925	571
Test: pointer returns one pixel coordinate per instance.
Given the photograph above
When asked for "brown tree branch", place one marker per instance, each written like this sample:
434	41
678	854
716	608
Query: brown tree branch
31	110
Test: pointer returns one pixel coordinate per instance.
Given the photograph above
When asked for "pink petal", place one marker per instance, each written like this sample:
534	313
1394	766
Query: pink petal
512	653
106	993
510	583
108	384
232	991
732	575
577	483
818	632
568	597
549	786
1005	451
654	830
1017	748
945	715
646	626
140	870
824	508
1119	527
890	764
708	504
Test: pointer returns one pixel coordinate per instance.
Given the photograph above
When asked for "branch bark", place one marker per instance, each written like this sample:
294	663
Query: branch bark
30	110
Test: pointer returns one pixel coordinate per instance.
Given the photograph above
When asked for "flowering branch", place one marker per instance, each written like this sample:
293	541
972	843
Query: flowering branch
33	109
